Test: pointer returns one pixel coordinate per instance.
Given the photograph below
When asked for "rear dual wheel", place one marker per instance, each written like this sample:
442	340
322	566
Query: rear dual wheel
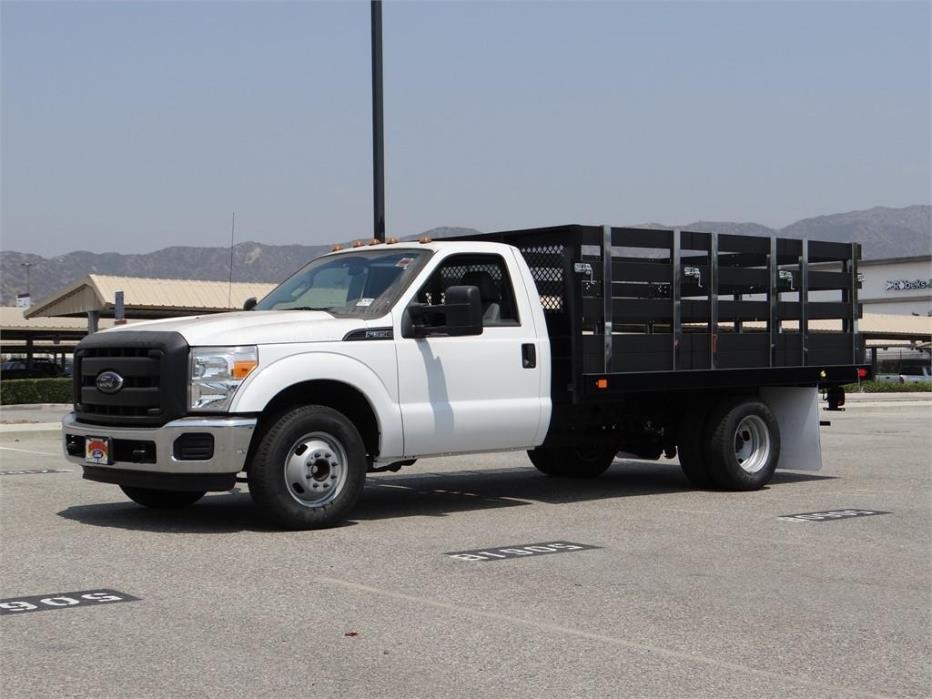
690	448
735	446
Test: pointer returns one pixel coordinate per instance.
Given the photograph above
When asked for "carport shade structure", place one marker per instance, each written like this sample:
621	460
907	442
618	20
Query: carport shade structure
50	336
94	297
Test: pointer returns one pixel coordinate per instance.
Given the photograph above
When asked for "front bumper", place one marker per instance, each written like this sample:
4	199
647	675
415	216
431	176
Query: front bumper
147	453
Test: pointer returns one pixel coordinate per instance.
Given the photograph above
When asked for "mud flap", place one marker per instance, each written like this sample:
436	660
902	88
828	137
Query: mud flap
797	412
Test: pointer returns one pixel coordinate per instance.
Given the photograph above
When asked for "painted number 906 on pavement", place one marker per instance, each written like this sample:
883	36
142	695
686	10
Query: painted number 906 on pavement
62	600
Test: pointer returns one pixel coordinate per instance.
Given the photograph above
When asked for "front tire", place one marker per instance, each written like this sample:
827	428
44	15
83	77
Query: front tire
572	462
743	444
161	499
309	468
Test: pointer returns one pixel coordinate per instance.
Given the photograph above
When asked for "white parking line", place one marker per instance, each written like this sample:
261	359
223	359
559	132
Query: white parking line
579	633
29	451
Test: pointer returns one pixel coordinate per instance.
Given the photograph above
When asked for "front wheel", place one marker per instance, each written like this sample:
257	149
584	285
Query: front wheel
309	468
579	461
162	499
743	444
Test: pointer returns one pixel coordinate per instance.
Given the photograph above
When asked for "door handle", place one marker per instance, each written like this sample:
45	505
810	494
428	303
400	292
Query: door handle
528	355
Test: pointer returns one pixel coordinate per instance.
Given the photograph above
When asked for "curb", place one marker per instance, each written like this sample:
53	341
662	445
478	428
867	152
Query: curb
912	396
36	406
19	427
888	405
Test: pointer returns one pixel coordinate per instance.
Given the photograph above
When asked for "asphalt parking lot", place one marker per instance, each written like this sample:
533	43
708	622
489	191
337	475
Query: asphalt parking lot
689	593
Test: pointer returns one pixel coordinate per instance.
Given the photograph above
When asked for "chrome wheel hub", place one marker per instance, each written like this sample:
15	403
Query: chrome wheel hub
752	444
315	469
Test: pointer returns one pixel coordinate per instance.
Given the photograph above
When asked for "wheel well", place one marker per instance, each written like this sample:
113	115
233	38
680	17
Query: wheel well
332	394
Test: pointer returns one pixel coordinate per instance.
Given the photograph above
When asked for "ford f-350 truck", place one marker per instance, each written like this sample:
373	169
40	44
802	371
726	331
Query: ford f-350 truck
572	342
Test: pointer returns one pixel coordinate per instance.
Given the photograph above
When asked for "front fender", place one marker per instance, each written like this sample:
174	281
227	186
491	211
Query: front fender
270	380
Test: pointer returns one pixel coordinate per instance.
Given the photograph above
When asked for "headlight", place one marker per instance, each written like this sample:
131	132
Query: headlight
216	373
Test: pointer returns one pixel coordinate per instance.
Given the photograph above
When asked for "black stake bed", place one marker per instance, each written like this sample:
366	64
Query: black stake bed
642	309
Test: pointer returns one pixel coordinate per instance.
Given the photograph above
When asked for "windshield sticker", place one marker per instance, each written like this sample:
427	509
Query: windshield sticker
404	262
364	302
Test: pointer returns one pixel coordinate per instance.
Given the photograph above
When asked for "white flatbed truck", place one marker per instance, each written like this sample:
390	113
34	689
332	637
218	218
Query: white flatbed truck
572	342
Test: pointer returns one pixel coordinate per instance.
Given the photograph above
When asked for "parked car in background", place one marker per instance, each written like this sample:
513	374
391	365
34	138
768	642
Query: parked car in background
915	374
40	369
903	365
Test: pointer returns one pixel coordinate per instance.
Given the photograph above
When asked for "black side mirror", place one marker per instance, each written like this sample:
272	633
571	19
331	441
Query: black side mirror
460	314
250	303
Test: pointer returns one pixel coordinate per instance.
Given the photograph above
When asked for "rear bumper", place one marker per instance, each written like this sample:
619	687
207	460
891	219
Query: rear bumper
231	438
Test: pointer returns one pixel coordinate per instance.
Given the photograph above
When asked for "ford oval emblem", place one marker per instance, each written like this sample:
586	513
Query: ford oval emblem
109	382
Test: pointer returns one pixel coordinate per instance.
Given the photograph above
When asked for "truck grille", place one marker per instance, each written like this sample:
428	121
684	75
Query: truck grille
153	369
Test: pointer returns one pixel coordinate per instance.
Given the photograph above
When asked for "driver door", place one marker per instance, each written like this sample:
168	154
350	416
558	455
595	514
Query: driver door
473	393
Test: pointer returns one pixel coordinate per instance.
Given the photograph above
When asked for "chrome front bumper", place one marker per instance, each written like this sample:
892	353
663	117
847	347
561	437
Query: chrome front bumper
232	436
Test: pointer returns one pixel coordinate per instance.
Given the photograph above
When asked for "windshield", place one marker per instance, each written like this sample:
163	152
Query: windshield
364	283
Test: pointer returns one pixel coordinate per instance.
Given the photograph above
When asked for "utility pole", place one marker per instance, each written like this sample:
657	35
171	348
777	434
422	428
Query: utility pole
230	285
378	145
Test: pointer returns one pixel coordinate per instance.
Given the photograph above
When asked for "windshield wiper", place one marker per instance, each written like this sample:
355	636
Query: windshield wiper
310	308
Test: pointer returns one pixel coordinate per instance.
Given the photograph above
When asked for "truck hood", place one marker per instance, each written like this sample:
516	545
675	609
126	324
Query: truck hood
252	327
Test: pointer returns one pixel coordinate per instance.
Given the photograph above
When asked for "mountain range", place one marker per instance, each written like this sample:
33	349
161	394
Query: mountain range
884	232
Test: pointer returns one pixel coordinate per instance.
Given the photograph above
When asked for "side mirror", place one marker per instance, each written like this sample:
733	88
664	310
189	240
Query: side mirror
250	303
460	314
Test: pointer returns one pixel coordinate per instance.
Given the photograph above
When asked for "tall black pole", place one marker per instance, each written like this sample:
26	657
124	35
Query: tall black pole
378	145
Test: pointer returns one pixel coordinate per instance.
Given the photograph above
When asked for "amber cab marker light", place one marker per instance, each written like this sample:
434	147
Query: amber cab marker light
358	243
391	241
424	239
601	383
375	241
336	247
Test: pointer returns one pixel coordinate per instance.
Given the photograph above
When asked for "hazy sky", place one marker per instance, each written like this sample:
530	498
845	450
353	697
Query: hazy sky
129	126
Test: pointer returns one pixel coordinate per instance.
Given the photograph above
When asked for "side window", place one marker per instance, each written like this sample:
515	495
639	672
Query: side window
487	272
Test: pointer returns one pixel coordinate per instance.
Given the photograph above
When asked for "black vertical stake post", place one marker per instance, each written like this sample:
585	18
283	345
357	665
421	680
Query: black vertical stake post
713	300
804	303
608	308
378	146
676	294
773	297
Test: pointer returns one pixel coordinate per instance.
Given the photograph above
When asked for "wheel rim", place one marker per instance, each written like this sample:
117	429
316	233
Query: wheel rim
752	444
315	469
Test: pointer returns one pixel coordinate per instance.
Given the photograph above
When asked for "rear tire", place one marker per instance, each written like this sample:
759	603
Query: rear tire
572	462
309	468
743	444
689	448
161	499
